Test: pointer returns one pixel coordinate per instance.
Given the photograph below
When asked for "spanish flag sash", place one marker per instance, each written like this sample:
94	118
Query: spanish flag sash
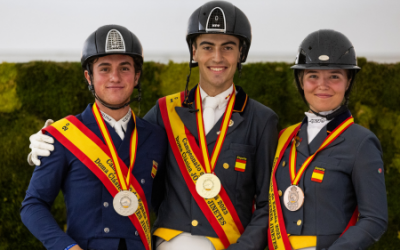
194	162
98	157
277	235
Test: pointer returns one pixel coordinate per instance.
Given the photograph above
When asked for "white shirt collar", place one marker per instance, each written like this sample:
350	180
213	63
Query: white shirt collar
123	121
223	97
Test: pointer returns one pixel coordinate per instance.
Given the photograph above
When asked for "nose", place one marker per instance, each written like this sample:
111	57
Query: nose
218	56
323	83
115	76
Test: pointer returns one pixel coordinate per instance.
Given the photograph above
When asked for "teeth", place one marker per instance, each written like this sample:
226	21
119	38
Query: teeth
216	69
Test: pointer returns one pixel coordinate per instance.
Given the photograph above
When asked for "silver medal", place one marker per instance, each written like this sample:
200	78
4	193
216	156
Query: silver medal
208	186
293	198
125	203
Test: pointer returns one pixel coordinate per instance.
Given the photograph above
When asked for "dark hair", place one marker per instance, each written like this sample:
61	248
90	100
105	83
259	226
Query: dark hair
300	75
137	61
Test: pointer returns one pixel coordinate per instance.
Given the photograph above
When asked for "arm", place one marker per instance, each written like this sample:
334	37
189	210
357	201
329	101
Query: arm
254	236
369	186
44	187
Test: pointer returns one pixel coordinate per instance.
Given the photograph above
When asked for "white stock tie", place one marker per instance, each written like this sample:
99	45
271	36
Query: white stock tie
119	130
209	113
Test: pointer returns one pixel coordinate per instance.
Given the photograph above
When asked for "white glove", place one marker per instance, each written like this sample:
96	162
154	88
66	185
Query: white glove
41	145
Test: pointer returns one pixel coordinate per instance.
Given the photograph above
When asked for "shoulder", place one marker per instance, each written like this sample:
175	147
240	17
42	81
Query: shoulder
151	126
360	132
260	110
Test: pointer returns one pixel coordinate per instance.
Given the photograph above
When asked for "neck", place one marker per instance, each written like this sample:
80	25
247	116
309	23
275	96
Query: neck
115	114
214	91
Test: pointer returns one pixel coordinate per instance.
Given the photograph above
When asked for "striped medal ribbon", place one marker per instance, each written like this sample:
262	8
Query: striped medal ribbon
208	185
125	202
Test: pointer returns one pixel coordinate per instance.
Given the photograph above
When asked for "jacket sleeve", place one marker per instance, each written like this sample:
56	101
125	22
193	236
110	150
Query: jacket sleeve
255	234
369	185
158	193
44	187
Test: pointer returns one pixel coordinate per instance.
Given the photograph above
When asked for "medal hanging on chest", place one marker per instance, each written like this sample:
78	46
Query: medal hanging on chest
209	185
293	197
125	202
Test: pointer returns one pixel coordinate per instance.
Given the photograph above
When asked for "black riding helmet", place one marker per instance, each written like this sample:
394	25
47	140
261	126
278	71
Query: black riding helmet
326	49
219	17
110	40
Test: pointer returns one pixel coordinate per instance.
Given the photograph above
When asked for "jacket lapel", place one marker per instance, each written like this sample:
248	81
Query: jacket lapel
303	147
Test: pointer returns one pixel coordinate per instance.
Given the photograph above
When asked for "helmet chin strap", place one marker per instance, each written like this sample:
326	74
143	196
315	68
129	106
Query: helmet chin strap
335	113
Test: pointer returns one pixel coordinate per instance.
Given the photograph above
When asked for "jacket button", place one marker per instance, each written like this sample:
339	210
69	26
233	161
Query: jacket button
298	222
195	223
218	132
226	165
106	230
136	233
105	204
142	181
280	193
283	163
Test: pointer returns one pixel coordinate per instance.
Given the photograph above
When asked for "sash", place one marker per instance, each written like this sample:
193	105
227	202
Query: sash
277	235
95	155
219	211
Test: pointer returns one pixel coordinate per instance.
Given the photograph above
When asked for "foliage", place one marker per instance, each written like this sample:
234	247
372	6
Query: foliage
32	92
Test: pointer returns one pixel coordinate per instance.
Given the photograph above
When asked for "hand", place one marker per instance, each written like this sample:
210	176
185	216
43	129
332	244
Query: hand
76	247
41	145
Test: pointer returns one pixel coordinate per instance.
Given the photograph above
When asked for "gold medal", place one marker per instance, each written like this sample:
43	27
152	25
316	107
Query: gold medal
125	203
293	198
208	186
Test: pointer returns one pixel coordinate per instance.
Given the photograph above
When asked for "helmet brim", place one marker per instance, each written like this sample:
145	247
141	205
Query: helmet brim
324	66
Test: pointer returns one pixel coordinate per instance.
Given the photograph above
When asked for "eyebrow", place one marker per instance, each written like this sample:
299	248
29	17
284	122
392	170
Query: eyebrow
213	44
108	64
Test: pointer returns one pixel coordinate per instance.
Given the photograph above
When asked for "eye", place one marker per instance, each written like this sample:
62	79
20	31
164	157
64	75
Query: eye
228	48
104	69
125	68
207	48
335	77
312	76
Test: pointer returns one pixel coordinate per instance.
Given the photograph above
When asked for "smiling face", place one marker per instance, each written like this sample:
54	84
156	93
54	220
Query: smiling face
217	55
324	89
114	78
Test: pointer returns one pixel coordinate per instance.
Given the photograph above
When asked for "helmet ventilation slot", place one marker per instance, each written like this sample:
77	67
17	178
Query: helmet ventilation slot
114	41
216	21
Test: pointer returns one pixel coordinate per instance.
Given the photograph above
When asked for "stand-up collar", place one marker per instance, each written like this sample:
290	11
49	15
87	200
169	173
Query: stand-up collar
240	103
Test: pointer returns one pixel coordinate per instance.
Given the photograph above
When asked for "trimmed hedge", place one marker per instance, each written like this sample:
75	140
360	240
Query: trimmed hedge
32	92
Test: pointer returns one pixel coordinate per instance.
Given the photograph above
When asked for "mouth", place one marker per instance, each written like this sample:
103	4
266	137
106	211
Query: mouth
324	96
217	69
114	87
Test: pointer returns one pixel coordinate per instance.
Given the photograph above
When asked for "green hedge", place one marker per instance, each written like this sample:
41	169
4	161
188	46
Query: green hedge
32	92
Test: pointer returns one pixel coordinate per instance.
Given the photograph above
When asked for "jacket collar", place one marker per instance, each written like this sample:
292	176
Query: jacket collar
240	103
143	131
325	131
189	118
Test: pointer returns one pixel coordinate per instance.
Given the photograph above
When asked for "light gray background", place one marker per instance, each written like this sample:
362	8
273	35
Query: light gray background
56	29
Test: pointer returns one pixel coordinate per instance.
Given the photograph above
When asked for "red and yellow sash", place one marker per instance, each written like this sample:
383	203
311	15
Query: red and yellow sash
193	162
277	235
105	163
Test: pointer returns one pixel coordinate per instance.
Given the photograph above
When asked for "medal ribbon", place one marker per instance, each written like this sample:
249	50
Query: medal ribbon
124	183
277	235
94	154
210	165
219	210
295	177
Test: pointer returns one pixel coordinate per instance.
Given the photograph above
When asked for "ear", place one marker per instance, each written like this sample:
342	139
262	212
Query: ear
87	77
137	76
194	54
348	84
